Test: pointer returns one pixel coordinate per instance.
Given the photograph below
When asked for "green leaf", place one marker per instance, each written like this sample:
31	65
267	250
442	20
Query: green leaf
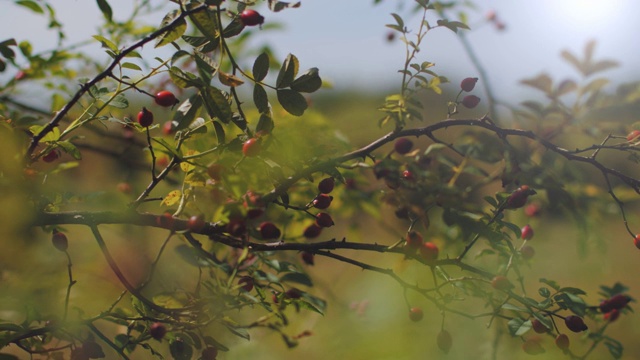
182	79
106	43
518	326
554	285
25	48
171	149
615	348
617	288
119	102
106	10
175	32
207	23
51	136
220	135
524	328
288	71
573	290
195	339
544	320
31	5
307	82
260	98
241	332
168	300
187	111
133	54
234	28
70	149
205	65
512	307
265	123
399	20
309	306
178	55
191	256
57	102
213	342
292	101
132	66
544	292
198	126
126	342
434	148
571	302
8	42
261	67
217	104
276	6
197	42
180	349
295	277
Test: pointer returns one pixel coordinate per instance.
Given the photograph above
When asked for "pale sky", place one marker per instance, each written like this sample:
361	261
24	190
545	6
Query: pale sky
346	40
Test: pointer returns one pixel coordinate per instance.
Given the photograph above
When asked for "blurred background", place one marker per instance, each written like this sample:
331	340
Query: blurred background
348	42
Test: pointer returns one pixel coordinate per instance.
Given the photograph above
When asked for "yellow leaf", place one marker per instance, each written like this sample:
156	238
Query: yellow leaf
185	166
172	198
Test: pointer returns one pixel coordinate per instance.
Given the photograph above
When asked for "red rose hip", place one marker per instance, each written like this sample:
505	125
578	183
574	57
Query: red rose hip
324	220
444	341
251	18
575	323
538	326
403	146
51	156
165	98
470	101
519	197
326	185
145	117
308	258
196	223
312	231
429	251
562	341
415	314
414	240
246	283
269	231
468	84
322	201
157	330
210	353
251	147
526	232
59	240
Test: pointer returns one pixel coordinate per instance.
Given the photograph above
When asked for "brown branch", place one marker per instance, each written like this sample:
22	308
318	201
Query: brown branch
84	88
443	125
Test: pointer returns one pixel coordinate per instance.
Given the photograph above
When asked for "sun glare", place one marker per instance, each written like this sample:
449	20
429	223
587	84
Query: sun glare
586	15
